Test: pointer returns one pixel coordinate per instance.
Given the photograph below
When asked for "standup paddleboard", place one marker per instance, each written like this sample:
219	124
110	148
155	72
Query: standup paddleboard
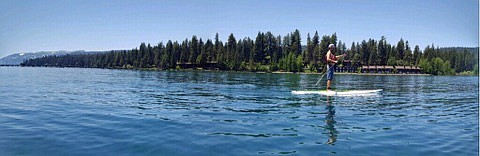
341	93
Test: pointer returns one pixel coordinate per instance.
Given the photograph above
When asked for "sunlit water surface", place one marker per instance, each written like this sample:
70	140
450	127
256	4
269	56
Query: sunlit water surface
71	111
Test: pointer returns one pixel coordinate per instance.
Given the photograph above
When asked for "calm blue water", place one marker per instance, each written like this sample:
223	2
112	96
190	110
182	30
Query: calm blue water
69	111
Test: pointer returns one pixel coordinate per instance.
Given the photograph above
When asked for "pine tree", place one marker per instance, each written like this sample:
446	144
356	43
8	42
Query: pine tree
382	50
270	47
209	51
323	49
231	48
372	49
309	51
351	54
333	39
316	50
400	50
296	46
259	48
416	55
216	48
184	52
158	55
141	57
194	51
175	55
407	58
202	57
364	52
166	54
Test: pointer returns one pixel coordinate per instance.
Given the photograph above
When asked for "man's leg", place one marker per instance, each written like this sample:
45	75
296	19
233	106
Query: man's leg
329	77
328	84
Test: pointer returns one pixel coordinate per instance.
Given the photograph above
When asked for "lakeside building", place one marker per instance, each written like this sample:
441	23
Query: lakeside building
391	69
347	67
188	65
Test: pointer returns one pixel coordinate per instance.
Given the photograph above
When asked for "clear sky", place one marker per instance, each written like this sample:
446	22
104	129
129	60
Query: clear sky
32	25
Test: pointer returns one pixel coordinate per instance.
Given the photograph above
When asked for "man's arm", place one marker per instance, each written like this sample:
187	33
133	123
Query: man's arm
340	56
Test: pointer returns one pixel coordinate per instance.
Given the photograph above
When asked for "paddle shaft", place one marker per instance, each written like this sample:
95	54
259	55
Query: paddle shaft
323	75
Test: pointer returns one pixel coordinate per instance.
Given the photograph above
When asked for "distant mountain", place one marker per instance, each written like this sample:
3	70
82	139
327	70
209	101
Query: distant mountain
461	49
16	59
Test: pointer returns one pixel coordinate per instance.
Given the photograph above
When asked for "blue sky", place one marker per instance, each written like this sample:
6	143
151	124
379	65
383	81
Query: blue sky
31	25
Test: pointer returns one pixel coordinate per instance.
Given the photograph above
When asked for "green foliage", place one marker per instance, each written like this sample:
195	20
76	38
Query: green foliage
243	66
400	63
270	53
436	66
425	65
264	68
273	67
467	73
416	55
473	72
446	69
382	51
311	68
391	61
299	64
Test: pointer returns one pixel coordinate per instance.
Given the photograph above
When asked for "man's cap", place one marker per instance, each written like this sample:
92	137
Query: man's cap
331	46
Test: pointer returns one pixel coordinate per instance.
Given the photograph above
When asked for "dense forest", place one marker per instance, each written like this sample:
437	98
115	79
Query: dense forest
268	52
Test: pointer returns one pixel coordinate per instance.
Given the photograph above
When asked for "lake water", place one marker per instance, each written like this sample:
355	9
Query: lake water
72	111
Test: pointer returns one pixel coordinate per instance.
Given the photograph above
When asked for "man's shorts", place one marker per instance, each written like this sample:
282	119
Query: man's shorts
330	70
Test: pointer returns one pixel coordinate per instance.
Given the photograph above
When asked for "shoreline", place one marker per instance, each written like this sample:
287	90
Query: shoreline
338	73
304	73
376	74
259	72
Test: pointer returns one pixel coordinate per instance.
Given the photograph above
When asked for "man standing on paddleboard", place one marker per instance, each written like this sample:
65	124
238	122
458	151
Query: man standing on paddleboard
331	61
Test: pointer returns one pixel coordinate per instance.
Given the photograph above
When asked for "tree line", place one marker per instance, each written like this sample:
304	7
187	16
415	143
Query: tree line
268	52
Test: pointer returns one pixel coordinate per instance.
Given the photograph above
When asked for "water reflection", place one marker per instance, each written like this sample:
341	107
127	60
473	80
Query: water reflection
330	122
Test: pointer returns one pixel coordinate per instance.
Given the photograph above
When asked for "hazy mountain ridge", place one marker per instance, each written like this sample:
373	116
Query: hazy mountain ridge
461	49
16	59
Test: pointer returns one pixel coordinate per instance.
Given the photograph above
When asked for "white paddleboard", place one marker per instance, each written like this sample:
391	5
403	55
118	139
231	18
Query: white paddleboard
340	93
